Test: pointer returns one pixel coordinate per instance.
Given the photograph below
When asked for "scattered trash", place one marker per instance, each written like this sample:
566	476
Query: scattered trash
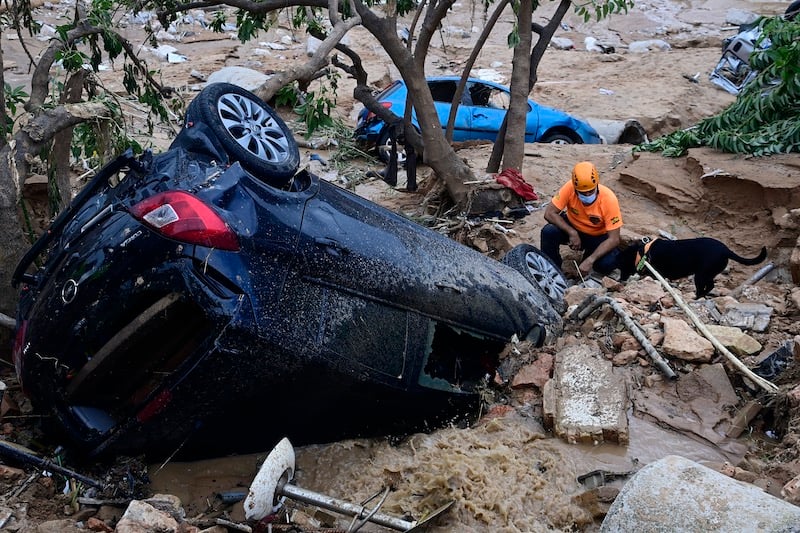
693	79
598	478
606	92
319	158
776	362
176	58
18	453
512	178
272	485
593	46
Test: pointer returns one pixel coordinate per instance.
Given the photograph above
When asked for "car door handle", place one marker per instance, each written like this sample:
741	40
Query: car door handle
332	246
449	287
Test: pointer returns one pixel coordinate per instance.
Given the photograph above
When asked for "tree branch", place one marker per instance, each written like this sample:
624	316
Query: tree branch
40	81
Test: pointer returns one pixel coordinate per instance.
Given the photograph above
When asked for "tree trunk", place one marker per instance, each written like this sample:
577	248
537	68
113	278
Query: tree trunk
14	168
518	108
545	36
473	56
437	154
62	144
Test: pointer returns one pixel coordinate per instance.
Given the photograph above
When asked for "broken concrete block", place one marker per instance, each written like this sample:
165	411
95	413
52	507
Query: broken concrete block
752	316
681	341
585	401
735	340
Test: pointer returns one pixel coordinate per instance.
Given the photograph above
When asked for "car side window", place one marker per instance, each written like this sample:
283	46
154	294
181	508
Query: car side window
498	99
442	91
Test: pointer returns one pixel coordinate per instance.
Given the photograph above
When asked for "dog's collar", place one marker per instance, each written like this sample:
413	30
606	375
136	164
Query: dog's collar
641	256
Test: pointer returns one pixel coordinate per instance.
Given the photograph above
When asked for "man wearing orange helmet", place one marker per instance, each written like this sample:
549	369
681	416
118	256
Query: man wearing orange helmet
585	215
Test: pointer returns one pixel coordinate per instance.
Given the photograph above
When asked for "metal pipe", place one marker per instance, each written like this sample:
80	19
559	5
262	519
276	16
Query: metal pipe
752	280
333	504
591	303
15	452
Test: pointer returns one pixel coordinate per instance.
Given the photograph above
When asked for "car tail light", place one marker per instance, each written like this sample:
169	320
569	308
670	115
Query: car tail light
184	217
155	406
19	349
371	116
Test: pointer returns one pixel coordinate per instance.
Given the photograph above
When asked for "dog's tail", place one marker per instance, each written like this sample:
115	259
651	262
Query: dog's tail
749	260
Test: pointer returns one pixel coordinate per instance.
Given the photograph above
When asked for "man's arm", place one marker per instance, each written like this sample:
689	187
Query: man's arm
606	246
553	215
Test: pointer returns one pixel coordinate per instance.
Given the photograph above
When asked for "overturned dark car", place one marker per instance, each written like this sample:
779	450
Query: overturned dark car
216	297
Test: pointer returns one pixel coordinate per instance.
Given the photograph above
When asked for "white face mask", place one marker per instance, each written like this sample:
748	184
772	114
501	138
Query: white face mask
587	199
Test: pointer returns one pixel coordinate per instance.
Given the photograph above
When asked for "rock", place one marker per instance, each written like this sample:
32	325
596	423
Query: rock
9	473
676	494
737	17
141	517
650	45
576	294
735	340
536	373
95	524
562	43
246	78
681	341
646	291
625	357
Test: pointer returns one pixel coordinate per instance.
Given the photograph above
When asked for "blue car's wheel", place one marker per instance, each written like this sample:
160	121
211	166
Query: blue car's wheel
250	131
540	271
384	148
558	138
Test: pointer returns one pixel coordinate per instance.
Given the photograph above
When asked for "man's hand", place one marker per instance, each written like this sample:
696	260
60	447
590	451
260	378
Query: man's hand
586	266
574	240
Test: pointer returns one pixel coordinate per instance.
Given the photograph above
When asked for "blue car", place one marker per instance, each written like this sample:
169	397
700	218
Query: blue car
480	115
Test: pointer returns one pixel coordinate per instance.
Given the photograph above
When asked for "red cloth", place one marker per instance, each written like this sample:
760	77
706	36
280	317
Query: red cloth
512	179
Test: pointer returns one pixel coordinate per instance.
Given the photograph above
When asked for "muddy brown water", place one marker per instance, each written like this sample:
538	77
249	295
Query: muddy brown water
505	474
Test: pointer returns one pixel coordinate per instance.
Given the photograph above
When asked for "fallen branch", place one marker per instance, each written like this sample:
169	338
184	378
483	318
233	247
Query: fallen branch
594	301
758	380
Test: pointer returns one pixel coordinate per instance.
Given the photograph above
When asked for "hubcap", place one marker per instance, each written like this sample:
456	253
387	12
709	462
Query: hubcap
253	128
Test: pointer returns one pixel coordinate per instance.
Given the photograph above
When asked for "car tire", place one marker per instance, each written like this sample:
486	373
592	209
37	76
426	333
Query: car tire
249	130
384	148
540	271
792	11
557	138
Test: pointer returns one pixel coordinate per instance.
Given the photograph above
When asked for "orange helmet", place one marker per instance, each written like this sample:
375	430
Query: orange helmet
585	177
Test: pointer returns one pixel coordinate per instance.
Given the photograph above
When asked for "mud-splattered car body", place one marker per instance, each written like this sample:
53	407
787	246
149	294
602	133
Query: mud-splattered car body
200	300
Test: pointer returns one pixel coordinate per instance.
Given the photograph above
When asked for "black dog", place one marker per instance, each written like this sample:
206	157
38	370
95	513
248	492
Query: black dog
704	257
